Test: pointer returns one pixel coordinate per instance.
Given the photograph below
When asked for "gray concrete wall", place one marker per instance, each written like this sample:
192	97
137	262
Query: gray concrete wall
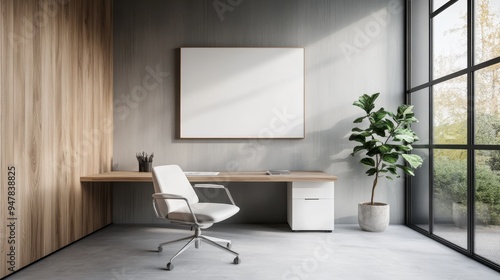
351	48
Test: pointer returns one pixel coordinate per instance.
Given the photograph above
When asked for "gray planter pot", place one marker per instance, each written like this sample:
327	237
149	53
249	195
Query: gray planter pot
373	218
459	214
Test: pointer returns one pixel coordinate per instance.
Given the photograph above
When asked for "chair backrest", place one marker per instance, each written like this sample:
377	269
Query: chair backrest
170	179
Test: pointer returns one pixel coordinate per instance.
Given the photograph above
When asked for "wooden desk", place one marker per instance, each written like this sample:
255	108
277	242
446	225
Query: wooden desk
310	194
251	176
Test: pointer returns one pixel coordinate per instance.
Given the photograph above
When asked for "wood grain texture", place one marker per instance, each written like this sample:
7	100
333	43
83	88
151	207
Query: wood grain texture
56	122
248	176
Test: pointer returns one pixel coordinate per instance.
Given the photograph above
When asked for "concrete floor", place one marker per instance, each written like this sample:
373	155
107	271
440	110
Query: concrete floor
267	252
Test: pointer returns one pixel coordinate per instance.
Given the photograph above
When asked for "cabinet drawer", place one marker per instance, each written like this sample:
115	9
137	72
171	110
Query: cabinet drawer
311	189
312	214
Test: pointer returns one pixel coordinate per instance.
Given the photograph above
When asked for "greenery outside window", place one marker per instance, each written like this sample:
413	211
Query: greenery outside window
453	79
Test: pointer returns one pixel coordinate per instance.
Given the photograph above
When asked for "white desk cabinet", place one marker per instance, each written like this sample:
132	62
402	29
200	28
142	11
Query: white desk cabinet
311	205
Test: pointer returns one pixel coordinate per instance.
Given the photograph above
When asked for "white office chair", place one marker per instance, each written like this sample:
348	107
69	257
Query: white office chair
176	201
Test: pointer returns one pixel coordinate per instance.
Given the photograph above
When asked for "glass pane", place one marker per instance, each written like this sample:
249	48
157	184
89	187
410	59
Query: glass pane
450	111
487	105
487	205
420	99
450	195
419	42
420	192
436	4
486	30
450	40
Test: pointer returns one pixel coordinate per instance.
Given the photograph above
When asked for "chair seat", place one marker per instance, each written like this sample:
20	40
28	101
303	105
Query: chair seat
204	212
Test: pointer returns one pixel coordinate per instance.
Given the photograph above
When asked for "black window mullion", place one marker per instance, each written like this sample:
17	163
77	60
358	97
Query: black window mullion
431	126
471	129
408	50
456	74
408	99
442	8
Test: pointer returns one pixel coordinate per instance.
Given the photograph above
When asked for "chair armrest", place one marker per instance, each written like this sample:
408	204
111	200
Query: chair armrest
171	196
209	186
214	186
167	196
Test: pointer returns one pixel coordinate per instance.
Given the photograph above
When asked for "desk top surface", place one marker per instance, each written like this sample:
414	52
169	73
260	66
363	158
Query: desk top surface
247	176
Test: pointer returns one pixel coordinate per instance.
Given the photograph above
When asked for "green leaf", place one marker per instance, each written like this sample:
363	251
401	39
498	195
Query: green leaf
413	160
380	130
371	171
366	133
406	169
408	109
368	161
359	120
404	111
403	148
366	102
373	151
390	158
357	129
357	149
379	115
384	149
390	125
357	138
393	170
406	135
411	120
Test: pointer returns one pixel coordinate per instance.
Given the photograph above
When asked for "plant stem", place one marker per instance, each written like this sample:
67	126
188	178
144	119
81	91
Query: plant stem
375	181
378	160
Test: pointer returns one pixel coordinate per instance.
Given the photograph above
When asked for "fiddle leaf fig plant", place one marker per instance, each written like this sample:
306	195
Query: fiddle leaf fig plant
385	141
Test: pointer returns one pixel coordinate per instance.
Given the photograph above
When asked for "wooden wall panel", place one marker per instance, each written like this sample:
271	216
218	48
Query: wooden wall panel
56	124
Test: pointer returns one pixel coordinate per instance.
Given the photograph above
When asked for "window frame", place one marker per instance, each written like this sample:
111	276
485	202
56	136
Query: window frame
470	146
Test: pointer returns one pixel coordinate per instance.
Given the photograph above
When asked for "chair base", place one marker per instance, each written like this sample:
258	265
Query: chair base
196	239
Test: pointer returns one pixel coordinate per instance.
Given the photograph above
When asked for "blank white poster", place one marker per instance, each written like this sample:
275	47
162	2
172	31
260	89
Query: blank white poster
242	93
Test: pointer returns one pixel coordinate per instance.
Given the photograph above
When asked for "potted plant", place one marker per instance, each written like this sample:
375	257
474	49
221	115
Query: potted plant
386	144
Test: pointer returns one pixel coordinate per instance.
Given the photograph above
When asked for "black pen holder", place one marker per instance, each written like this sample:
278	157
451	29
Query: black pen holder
145	166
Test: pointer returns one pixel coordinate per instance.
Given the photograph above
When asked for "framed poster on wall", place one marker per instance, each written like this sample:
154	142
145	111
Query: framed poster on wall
242	93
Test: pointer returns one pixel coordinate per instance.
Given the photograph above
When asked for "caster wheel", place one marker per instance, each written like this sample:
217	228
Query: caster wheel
170	266
229	245
160	249
237	260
